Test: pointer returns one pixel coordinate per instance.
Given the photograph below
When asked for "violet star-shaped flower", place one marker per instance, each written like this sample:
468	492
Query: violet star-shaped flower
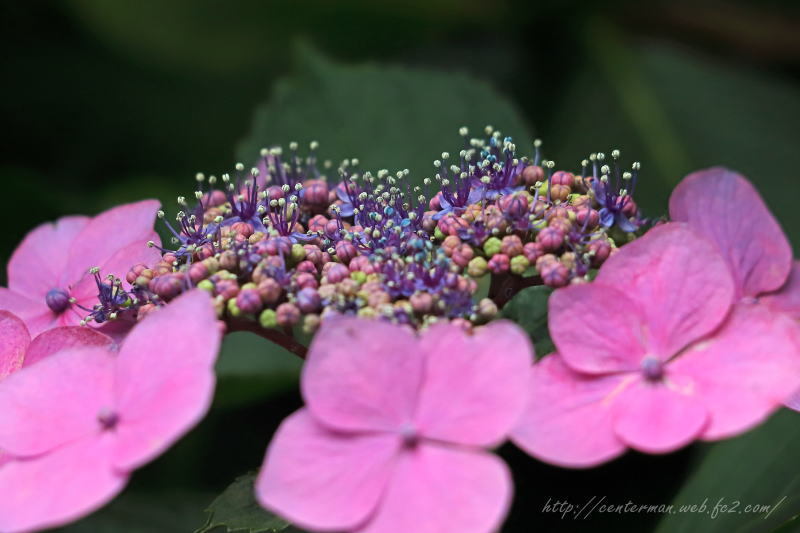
393	435
79	421
668	360
51	265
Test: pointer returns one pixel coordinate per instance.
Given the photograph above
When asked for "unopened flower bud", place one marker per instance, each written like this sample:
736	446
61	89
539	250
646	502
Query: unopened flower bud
249	301
308	300
287	315
336	272
198	272
532	174
345	251
306	266
298	253
135	272
306	279
492	246
519	264
550	239
269	291
268	318
499	264
587	218
600	250
562	177
511	245
477	267
462	255
362	263
228	260
532	251
450	243
168	286
227	288
244	229
487	309
317	223
315	194
421	302
311	324
554	274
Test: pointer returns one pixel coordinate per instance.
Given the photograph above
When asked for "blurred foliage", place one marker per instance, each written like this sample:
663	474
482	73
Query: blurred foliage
760	468
529	310
112	102
236	509
388	117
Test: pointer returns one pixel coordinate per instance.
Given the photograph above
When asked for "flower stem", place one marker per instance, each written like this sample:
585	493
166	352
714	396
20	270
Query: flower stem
283	339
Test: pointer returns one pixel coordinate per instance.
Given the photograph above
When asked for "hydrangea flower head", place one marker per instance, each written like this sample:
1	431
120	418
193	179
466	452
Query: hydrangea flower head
393	435
78	422
669	359
49	283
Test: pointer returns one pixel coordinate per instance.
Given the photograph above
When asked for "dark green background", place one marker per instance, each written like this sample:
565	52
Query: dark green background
107	102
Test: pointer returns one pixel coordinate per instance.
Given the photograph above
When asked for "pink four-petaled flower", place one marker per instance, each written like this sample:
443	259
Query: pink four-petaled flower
654	354
51	265
725	208
393	435
79	421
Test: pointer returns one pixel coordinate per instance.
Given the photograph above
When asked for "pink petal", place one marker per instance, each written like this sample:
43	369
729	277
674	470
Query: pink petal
436	488
106	234
165	377
14	341
745	371
680	282
597	328
659	418
787	298
39	260
568	418
724	207
59	487
363	375
64	338
56	401
475	385
35	313
320	479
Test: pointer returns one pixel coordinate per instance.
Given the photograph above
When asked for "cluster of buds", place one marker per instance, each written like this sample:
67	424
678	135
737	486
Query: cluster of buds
524	223
282	245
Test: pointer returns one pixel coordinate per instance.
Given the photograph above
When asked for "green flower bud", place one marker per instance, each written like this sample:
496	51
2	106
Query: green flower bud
298	253
492	246
359	276
519	264
206	285
268	318
233	309
477	267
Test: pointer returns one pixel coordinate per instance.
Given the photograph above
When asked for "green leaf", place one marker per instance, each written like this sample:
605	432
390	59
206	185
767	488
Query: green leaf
759	468
790	526
251	368
236	510
529	310
679	111
386	116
